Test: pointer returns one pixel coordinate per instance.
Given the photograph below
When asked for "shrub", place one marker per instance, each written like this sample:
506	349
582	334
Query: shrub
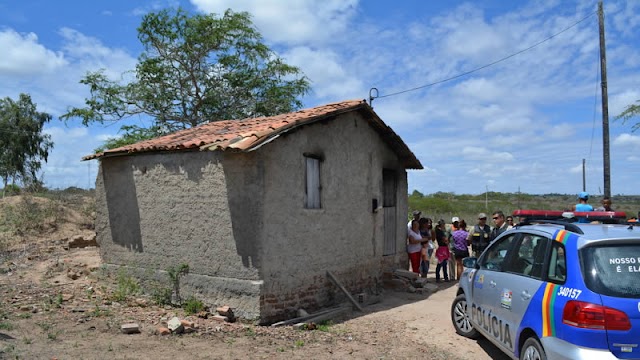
127	285
193	306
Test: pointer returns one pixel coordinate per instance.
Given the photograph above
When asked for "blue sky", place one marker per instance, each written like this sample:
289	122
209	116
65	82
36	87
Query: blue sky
524	124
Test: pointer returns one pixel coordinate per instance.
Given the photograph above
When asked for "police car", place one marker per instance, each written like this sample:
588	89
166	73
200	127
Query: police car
552	289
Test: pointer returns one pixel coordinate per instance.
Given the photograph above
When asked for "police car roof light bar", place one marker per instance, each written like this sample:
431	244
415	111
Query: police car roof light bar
567	225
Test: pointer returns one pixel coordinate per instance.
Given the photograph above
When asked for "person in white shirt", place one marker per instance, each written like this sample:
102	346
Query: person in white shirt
414	246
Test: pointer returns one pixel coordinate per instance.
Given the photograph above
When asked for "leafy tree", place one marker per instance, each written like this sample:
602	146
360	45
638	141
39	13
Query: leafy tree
193	70
631	111
23	144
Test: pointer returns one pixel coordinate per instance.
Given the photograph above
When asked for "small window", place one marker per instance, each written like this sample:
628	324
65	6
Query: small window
312	179
557	264
494	257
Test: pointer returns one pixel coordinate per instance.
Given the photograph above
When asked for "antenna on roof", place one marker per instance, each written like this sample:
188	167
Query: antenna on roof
371	96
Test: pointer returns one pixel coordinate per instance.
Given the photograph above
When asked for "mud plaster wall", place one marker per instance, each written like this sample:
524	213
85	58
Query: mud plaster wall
156	211
238	219
345	236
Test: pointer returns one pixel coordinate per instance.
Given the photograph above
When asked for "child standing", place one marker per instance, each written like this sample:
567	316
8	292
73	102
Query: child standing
442	254
424	264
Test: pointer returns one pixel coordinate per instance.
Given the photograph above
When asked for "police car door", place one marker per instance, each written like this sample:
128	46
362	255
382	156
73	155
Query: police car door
487	290
517	284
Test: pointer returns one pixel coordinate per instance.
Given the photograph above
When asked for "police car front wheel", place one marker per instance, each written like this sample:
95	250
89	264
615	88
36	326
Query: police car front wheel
532	350
460	318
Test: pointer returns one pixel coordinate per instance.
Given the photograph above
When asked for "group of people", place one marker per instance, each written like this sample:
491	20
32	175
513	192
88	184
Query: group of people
452	244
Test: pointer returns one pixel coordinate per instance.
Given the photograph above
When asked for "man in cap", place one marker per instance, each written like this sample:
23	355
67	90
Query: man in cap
582	205
479	236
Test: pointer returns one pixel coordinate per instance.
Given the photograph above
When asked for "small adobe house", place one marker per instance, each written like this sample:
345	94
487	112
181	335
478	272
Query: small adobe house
260	209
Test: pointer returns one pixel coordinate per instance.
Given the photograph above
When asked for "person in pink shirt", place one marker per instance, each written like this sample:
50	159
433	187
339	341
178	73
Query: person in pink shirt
442	254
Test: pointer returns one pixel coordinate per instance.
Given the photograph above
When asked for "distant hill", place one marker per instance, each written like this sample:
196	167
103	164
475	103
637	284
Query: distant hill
444	205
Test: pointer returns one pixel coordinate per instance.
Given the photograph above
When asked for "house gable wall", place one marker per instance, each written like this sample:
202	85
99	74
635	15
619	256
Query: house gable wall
345	236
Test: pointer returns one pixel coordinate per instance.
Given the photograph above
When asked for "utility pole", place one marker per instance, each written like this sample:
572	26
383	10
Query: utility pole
486	197
605	106
584	177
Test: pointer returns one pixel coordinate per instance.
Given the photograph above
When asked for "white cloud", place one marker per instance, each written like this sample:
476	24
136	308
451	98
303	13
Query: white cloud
22	54
325	69
627	140
292	22
619	102
52	77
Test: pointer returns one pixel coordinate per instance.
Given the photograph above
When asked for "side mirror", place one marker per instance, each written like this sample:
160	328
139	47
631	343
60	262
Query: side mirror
469	262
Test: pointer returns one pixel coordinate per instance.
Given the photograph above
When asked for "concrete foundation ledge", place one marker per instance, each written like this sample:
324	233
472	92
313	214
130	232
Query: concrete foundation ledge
243	296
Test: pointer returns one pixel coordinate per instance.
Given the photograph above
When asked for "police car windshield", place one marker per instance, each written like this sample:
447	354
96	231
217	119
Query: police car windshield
612	270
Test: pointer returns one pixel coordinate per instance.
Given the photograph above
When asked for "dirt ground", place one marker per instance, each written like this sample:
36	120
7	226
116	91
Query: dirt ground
57	303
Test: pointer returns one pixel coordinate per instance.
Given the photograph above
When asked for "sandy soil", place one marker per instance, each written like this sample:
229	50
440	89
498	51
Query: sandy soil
58	304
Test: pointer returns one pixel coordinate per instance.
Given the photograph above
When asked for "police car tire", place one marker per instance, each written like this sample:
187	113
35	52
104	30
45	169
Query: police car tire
459	304
530	347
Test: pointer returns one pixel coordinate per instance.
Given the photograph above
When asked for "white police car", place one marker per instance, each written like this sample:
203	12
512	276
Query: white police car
555	290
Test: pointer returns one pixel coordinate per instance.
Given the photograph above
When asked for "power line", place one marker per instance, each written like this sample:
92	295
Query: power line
490	64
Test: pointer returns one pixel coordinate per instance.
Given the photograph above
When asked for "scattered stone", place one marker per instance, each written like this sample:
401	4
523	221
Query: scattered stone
80	241
186	323
411	289
405	274
163	331
131	328
220	318
302	313
203	314
175	325
223	310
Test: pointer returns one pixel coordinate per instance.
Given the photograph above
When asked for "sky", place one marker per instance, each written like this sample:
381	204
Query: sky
521	124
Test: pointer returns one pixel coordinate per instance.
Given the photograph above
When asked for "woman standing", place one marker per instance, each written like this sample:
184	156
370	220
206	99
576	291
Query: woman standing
460	246
414	240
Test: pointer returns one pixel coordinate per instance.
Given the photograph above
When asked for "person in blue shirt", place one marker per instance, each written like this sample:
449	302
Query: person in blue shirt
582	205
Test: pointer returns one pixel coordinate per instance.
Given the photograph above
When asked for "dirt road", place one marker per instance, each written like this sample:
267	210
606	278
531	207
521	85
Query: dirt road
46	313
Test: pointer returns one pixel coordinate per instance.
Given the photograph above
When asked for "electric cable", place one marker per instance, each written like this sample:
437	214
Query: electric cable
490	64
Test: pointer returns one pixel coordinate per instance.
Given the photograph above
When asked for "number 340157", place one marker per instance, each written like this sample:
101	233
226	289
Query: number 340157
569	292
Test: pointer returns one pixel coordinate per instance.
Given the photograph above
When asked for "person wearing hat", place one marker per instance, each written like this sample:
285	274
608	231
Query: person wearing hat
582	205
479	236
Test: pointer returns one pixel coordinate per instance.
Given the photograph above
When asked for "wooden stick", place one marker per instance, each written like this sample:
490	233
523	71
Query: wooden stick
304	318
338	284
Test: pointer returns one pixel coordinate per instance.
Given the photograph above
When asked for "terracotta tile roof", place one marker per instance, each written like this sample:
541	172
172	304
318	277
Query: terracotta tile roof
249	134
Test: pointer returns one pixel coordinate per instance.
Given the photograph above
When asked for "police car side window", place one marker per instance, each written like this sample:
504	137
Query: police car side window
557	271
529	256
494	258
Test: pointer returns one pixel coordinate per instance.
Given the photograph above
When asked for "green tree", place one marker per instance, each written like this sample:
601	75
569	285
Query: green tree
193	70
23	144
631	111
